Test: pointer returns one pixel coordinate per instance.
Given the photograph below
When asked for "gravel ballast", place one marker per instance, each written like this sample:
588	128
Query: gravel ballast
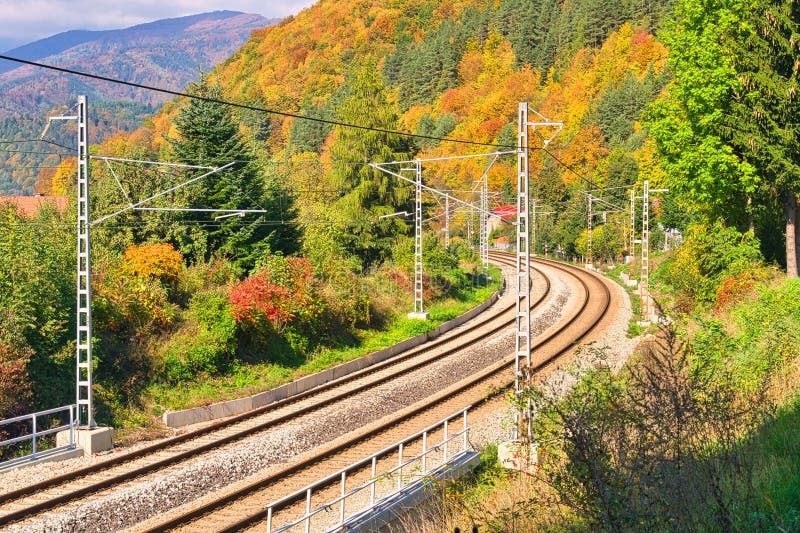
159	492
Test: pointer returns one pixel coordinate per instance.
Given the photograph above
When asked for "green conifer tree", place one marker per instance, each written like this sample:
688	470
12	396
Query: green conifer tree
209	136
368	193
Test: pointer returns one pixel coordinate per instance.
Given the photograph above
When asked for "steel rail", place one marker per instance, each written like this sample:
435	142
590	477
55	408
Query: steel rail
55	482
193	513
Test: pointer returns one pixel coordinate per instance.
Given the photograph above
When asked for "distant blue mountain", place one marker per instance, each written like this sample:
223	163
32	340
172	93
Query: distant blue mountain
60	42
47	47
169	54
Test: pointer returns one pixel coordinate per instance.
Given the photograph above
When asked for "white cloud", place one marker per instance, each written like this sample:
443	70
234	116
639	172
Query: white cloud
35	19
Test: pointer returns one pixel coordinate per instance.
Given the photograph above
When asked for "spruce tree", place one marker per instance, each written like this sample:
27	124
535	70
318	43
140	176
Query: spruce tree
367	193
209	136
764	119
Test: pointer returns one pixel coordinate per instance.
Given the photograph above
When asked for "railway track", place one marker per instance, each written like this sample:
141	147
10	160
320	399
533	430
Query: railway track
242	507
59	492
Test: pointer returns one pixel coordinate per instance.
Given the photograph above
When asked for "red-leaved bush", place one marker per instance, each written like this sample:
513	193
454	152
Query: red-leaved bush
15	390
256	298
281	290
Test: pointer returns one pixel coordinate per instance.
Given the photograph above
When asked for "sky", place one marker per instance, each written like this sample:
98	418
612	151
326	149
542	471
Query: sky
25	21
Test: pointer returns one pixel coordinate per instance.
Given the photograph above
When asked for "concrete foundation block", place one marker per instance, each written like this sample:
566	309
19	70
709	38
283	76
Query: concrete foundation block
46	456
91	441
263	398
419	316
230	408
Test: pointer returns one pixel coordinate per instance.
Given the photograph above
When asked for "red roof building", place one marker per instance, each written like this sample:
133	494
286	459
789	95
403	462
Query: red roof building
29	206
506	212
501	242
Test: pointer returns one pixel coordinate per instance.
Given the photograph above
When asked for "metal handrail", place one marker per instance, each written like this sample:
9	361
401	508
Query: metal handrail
374	478
36	434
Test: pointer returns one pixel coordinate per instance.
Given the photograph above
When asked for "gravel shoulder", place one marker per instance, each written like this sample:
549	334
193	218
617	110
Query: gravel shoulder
611	338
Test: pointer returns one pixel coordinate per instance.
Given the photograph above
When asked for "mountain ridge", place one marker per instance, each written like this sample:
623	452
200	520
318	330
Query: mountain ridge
60	42
168	53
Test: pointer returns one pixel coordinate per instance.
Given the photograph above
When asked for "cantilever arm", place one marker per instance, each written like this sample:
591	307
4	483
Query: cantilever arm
171	189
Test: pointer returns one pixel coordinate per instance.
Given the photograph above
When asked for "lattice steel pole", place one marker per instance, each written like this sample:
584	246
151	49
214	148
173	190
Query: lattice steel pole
83	393
447	221
484	223
647	301
589	258
633	224
418	305
470	239
533	227
523	262
523	336
644	289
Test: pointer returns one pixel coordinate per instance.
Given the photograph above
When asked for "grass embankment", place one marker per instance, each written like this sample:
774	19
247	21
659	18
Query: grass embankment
695	436
250	378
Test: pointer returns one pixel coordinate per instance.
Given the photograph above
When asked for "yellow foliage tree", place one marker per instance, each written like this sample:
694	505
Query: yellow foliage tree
153	261
62	178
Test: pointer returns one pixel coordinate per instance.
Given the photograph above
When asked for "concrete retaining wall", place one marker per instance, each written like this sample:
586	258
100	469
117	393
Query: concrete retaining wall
234	407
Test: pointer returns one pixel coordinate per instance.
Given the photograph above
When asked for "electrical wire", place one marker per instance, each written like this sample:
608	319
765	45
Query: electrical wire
34	152
568	167
19	141
248	107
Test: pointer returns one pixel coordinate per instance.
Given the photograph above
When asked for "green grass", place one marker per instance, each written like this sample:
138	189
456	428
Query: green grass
245	379
776	450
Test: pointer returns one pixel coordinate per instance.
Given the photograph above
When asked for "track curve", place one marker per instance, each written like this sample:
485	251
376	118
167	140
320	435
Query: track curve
58	491
243	507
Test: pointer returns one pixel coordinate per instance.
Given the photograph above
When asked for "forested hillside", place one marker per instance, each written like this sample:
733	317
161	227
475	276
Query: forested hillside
698	98
451	69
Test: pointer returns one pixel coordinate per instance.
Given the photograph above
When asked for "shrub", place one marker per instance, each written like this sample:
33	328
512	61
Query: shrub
256	298
153	261
768	336
207	342
281	290
707	256
131	306
205	276
187	358
658	448
213	312
735	287
15	388
346	300
438	264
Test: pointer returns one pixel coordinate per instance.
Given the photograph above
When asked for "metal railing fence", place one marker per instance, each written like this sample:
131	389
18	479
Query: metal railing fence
35	433
375	477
